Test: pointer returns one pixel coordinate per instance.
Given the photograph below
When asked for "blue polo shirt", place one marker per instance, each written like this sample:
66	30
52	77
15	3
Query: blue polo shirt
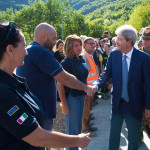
40	66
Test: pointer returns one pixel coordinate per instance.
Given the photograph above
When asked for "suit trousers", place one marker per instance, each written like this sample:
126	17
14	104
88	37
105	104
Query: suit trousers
133	126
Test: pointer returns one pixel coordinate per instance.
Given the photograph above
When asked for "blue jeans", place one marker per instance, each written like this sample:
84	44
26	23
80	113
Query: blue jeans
73	120
133	126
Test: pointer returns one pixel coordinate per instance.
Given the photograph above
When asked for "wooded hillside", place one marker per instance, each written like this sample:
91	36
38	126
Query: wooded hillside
107	15
15	4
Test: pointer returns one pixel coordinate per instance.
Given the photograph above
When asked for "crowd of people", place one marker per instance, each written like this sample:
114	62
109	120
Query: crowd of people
84	68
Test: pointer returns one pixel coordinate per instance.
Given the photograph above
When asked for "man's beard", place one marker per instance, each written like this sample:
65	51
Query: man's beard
48	45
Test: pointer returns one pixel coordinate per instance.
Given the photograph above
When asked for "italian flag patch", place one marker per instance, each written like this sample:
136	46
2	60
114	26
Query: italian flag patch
22	118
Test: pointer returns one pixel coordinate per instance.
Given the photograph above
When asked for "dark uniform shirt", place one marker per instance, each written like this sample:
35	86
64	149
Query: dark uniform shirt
59	56
79	69
19	113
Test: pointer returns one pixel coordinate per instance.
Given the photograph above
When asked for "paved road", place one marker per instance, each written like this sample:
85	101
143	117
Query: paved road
102	121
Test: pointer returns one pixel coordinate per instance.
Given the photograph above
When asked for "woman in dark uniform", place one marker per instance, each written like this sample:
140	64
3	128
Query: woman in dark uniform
21	116
72	99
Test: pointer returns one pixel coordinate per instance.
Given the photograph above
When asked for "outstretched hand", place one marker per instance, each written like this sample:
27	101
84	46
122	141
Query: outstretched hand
84	140
90	90
94	89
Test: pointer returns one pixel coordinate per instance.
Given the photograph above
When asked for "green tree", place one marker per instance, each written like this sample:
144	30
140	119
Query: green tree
29	17
96	29
140	17
6	15
52	12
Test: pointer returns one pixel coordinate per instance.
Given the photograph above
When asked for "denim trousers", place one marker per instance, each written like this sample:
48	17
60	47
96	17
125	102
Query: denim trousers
73	120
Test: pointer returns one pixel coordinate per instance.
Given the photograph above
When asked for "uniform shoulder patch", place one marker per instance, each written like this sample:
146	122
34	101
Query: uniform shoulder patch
13	110
22	118
85	65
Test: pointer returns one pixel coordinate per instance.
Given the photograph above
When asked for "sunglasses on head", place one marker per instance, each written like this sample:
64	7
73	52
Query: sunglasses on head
11	24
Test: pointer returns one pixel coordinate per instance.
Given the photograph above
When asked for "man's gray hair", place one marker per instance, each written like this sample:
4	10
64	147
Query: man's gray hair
129	32
87	39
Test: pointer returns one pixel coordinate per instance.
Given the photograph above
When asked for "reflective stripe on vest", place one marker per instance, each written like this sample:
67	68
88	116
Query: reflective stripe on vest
93	74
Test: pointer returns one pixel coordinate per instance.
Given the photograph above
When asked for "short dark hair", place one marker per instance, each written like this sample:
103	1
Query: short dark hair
13	39
58	42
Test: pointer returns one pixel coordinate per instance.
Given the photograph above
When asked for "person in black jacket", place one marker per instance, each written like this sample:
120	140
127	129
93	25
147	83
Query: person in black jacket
59	51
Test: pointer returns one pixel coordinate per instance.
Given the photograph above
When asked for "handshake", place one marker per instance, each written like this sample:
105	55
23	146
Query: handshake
90	90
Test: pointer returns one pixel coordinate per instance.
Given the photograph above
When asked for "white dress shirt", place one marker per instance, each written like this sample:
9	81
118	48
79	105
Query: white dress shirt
128	58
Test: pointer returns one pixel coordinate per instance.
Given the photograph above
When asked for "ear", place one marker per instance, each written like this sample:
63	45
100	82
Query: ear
130	42
43	37
9	50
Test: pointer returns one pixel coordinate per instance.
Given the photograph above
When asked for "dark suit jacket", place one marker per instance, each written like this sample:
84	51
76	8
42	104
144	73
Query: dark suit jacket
138	80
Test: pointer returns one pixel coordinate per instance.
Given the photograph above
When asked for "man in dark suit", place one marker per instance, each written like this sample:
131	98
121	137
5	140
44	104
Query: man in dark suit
130	72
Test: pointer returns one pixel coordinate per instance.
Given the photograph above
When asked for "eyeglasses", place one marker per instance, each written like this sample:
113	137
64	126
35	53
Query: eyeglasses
11	24
91	43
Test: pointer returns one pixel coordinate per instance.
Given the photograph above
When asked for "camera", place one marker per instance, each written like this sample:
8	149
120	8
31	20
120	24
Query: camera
106	32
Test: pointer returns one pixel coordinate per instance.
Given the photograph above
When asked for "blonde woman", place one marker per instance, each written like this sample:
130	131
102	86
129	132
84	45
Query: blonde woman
73	100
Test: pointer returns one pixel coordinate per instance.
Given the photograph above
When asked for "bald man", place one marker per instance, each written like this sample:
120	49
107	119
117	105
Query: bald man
45	35
41	70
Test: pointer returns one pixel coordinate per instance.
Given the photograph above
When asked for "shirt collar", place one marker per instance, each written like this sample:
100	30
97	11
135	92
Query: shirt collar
128	54
35	43
75	58
14	80
87	53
